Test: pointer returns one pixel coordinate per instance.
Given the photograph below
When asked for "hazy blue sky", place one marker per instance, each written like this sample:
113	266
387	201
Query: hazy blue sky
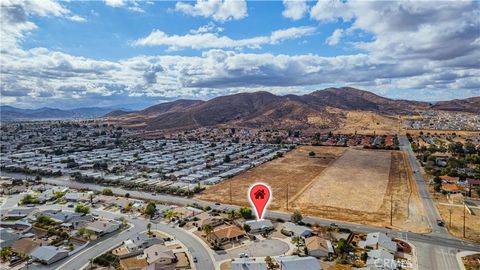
137	53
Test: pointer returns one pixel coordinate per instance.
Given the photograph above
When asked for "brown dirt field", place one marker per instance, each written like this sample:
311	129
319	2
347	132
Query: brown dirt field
368	123
365	171
472	231
373	190
296	169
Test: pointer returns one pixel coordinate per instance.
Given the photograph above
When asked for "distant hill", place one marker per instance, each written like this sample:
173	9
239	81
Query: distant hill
460	105
9	113
319	109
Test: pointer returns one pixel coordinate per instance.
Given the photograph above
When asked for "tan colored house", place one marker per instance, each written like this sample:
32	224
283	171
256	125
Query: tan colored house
160	257
225	234
319	247
207	219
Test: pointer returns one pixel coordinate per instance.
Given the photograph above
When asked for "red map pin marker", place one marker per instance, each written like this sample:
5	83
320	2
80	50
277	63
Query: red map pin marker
259	196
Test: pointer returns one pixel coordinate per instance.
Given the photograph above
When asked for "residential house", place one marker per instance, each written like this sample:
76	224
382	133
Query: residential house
249	264
451	188
207	219
9	237
49	254
296	230
259	226
319	247
101	227
380	260
17	213
296	262
225	234
379	240
137	243
159	257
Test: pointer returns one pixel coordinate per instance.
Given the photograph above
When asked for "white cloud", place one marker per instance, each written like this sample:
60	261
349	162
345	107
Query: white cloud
77	18
334	39
294	9
206	40
438	30
209	27
39	76
330	11
219	10
115	3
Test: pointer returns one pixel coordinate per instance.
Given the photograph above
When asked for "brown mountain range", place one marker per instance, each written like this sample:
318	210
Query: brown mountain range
323	109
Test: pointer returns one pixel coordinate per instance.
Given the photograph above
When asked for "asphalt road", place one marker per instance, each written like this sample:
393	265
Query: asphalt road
438	239
432	213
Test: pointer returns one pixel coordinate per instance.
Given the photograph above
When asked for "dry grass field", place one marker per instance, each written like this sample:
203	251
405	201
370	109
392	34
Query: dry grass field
338	183
472	229
296	169
361	186
368	123
358	179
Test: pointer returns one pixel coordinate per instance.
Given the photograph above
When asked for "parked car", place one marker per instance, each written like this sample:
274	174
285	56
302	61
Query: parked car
440	223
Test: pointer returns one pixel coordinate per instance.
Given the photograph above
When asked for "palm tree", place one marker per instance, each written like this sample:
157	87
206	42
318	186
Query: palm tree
91	196
208	229
149	227
169	214
297	240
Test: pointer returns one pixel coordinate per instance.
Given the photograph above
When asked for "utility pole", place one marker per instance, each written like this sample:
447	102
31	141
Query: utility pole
450	212
464	206
287	197
391	210
230	192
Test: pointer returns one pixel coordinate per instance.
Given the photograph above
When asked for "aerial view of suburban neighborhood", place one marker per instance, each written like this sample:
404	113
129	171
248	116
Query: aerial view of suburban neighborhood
240	135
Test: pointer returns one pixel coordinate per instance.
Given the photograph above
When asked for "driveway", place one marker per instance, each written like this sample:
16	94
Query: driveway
260	248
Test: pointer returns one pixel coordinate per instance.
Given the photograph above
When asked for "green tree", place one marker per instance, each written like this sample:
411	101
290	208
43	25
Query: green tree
150	209
208	229
364	256
82	209
297	240
270	263
58	194
437	187
245	212
226	159
149	228
311	154
107	192
6	254
29	199
342	245
296	216
247	228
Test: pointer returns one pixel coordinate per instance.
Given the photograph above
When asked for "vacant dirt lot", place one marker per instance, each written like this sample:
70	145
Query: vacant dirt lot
363	172
361	186
296	169
368	123
338	183
472	230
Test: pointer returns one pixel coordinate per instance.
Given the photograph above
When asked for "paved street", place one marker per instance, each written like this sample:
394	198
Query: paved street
432	213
